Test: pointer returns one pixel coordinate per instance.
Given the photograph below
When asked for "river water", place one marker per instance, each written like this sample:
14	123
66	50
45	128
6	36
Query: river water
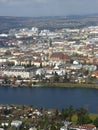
49	97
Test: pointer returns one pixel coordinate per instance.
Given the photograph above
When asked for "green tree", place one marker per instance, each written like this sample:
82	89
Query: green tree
19	77
10	63
64	113
41	65
81	111
66	78
5	79
71	112
96	122
56	77
67	113
84	119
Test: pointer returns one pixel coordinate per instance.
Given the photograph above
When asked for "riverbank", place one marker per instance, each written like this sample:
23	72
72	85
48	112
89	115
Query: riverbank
69	85
41	84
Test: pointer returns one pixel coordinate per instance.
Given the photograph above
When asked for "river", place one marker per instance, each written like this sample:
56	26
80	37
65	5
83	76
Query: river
49	97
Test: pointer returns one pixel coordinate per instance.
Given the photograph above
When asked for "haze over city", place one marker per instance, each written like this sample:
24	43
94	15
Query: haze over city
36	8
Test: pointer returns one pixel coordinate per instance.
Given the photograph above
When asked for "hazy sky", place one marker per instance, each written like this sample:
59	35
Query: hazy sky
47	7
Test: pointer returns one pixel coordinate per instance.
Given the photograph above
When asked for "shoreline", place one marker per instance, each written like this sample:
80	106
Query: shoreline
62	85
69	85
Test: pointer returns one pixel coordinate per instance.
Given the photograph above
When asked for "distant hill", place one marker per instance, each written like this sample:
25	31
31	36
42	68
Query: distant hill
52	23
82	16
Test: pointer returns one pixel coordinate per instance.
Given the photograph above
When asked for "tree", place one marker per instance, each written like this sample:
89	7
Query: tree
5	79
67	113
56	77
19	77
10	63
7	53
84	119
81	111
41	65
66	78
64	114
56	112
71	112
96	122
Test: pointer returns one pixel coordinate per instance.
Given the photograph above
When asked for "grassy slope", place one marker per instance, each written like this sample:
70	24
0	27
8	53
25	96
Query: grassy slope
71	85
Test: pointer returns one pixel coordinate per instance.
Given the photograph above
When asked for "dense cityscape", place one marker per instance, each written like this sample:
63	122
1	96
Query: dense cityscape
48	64
34	57
28	56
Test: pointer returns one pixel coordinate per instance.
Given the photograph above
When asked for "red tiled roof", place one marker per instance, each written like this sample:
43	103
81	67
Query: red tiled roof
59	55
86	127
95	73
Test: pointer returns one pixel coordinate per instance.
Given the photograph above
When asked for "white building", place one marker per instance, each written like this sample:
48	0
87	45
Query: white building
63	128
33	128
17	72
82	127
1	129
16	124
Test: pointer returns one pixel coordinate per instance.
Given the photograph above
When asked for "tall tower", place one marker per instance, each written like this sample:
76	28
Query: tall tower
50	48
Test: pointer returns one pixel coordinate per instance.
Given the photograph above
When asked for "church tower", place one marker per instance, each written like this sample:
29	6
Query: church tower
50	48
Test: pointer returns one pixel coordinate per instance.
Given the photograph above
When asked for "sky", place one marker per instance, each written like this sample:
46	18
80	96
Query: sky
37	8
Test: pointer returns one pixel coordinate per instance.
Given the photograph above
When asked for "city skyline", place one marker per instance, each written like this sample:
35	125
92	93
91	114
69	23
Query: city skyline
36	8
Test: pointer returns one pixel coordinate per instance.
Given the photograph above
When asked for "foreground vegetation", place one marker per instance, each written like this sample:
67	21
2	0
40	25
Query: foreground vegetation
45	118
